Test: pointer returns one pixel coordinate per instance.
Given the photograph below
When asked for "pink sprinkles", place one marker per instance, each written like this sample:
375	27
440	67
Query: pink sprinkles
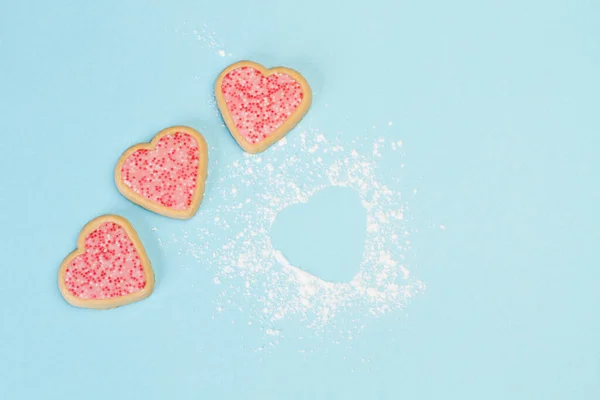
258	104
110	266
166	175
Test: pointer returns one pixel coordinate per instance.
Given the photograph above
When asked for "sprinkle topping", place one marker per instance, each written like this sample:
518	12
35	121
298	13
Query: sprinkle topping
110	266
166	175
259	104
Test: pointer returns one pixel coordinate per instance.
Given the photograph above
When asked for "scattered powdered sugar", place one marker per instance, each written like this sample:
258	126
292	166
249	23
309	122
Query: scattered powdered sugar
230	234
206	37
232	237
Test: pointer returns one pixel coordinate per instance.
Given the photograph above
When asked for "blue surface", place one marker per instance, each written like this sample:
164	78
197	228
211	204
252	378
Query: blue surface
337	222
497	105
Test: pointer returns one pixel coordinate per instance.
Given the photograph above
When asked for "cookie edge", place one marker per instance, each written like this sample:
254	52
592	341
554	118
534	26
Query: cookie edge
101	304
280	132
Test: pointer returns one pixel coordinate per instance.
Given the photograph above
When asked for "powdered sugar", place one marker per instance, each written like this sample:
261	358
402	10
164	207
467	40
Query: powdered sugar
206	37
231	233
256	277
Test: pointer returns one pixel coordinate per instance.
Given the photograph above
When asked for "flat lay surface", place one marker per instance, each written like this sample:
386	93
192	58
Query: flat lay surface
428	230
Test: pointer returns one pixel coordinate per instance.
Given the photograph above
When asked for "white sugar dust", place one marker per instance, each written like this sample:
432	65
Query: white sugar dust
231	234
206	37
257	278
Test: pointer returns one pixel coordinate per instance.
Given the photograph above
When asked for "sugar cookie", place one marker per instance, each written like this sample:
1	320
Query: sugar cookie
167	175
108	269
260	105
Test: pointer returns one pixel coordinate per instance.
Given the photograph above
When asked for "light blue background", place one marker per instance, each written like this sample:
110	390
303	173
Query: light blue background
497	103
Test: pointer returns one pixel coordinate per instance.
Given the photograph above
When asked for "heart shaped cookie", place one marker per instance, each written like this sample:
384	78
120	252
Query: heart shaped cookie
167	175
259	105
108	269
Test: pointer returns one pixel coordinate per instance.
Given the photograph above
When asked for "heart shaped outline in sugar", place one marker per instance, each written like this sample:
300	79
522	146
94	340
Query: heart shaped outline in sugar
102	304
280	132
200	179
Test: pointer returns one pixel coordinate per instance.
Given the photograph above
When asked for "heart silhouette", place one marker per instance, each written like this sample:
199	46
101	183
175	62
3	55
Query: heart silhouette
325	236
259	105
108	269
166	176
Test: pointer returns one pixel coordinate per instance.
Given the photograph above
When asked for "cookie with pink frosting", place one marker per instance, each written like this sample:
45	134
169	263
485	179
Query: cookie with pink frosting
260	105
167	175
108	269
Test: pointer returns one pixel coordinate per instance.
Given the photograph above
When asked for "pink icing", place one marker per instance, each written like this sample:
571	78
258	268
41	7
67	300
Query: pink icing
166	175
110	266
258	104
